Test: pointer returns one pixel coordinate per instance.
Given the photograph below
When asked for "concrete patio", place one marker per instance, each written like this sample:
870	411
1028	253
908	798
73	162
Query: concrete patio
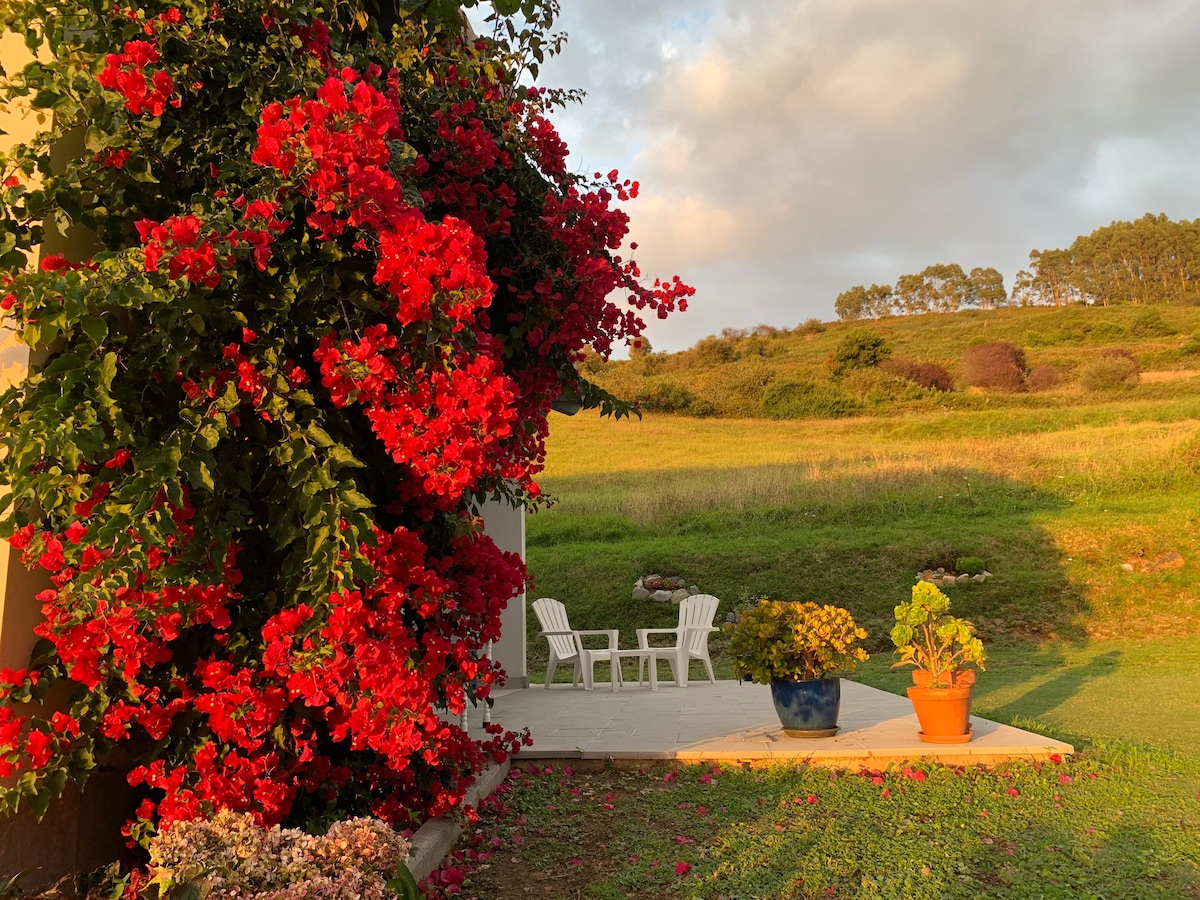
735	722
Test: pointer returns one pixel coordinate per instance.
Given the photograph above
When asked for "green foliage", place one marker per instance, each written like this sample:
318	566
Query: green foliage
1150	323
779	640
671	397
929	639
1116	372
971	565
858	349
789	398
1192	347
713	351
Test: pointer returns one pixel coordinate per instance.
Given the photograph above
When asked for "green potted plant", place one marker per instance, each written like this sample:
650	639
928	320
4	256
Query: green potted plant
940	648
799	649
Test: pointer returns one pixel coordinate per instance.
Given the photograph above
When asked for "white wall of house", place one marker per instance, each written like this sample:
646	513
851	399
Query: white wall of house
506	526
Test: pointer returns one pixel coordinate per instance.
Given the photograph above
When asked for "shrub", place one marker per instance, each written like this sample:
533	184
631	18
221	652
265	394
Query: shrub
1043	378
1121	353
1192	347
737	390
1150	323
670	397
876	387
1109	373
234	856
1107	331
925	374
790	398
859	349
639	347
332	309
713	351
994	365
811	327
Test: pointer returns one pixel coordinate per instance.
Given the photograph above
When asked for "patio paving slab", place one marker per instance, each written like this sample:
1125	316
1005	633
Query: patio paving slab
731	721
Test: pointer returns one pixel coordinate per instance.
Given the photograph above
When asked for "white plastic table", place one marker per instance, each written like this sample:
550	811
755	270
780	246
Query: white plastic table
653	654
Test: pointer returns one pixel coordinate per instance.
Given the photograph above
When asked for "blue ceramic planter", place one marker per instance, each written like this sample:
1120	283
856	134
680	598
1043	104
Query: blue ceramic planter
808	708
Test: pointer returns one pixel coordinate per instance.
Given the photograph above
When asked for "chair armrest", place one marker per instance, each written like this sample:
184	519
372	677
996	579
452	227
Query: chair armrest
610	633
555	633
643	635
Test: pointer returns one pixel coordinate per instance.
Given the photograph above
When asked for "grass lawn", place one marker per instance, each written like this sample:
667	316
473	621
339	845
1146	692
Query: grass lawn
1089	640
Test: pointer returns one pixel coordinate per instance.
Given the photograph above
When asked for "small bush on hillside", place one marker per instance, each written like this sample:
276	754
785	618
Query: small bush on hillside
858	349
1150	323
925	374
1043	378
876	387
669	397
738	389
791	398
1107	331
994	365
755	345
1109	373
811	327
713	351
639	347
1122	352
1192	347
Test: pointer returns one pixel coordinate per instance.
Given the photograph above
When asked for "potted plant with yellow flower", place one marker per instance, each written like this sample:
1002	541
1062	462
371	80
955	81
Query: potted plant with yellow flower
939	647
800	649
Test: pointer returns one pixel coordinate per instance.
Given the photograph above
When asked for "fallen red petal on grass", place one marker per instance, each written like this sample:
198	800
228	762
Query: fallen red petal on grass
682	868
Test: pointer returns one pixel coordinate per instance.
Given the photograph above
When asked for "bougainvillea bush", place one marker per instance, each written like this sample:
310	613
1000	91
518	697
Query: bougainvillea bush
339	273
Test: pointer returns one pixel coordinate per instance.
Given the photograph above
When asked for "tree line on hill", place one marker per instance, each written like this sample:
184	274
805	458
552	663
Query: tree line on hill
1153	259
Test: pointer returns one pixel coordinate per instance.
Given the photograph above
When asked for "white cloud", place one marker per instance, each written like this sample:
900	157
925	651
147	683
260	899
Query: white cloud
788	150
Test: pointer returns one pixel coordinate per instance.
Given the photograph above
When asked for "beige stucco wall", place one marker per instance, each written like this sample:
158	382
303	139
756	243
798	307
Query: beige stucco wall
19	610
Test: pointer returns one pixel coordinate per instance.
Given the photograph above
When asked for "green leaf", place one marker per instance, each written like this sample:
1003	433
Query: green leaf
95	139
198	473
318	435
46	100
355	499
404	885
95	328
64	362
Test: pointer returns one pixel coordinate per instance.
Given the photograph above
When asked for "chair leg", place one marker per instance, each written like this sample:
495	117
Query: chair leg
550	669
708	665
681	673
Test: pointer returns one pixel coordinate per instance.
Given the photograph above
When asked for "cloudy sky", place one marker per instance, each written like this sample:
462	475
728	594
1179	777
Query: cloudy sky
789	149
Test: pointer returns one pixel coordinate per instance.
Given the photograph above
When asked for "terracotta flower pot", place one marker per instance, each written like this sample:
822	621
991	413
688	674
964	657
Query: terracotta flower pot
944	713
924	678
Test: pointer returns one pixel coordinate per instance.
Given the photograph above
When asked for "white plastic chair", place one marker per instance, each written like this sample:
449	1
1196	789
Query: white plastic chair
566	643
696	615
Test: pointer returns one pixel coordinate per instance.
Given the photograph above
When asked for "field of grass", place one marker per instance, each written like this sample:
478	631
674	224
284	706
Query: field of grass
1089	640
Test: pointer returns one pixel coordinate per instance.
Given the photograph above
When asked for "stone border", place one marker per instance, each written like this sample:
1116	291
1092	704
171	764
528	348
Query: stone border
433	841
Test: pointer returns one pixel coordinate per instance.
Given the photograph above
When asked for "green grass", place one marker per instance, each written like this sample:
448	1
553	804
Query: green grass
1069	506
1118	822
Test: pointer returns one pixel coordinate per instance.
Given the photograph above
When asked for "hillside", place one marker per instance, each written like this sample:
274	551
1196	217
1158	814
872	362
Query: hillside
731	375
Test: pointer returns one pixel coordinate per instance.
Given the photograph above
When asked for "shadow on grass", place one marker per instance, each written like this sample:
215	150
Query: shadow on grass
798	532
1050	695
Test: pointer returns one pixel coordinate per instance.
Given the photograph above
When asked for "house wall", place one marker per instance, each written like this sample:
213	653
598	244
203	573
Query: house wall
506	526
